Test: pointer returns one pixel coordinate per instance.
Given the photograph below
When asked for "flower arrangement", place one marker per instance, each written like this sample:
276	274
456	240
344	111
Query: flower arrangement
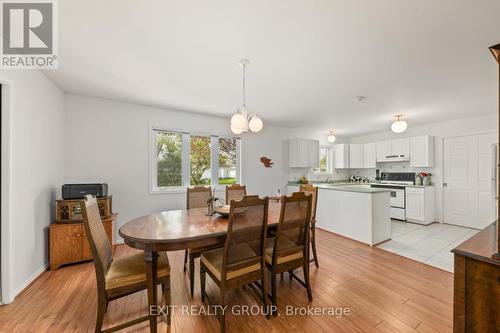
424	178
211	202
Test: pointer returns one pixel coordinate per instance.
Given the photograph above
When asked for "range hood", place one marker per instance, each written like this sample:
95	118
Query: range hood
396	158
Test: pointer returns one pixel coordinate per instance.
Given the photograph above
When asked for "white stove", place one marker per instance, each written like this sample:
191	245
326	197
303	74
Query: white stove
397	182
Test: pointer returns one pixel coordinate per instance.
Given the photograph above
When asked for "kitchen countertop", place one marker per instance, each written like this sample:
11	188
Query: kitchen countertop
347	182
420	186
346	186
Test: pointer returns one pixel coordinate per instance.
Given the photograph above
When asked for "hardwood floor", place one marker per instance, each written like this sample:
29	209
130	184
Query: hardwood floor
385	292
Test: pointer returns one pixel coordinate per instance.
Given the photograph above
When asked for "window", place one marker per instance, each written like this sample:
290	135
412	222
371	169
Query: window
324	160
169	159
199	160
227	161
179	160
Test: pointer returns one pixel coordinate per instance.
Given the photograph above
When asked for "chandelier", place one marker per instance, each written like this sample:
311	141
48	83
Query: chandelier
242	121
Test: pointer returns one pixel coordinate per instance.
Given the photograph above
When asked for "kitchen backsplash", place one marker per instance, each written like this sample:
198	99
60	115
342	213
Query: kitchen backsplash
388	167
337	174
340	174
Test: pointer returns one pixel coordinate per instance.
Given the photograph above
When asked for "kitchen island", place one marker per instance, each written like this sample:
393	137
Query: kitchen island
355	211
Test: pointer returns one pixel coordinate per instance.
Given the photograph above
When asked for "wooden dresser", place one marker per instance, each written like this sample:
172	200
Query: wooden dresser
476	295
68	242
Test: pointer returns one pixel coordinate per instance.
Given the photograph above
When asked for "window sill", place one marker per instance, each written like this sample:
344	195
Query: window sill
177	190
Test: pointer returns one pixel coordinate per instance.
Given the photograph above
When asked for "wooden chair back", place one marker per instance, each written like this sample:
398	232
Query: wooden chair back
292	234
313	192
198	196
235	192
96	234
246	233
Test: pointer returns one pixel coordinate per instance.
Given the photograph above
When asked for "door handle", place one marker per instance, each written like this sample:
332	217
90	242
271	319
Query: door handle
445	184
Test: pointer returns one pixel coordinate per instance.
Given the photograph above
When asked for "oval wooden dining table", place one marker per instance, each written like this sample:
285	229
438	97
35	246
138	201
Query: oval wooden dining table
177	230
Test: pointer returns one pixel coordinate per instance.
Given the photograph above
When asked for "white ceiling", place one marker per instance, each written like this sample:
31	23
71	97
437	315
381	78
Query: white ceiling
427	59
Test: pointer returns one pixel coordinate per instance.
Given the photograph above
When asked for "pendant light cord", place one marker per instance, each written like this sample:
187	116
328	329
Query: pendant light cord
244	94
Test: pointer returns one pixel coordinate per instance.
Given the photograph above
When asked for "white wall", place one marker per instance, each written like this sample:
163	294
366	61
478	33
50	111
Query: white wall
107	141
440	130
36	140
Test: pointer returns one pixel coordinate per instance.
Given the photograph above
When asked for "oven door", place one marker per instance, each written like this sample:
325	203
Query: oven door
397	198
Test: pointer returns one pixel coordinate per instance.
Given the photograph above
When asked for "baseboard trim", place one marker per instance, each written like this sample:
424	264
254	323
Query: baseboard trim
28	282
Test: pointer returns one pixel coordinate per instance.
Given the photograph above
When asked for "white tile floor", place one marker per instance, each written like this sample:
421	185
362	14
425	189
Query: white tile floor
428	244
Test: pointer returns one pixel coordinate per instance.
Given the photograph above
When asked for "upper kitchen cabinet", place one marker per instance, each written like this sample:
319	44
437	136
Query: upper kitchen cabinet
422	151
341	156
369	155
400	147
383	150
356	156
304	153
395	150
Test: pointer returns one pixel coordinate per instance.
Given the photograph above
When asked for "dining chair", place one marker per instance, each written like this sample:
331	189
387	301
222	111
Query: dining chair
241	261
235	192
197	197
120	277
313	192
289	249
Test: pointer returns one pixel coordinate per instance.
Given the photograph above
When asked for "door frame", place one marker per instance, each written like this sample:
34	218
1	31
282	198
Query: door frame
442	156
6	191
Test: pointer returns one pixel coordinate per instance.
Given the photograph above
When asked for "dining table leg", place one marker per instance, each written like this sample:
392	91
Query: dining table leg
151	263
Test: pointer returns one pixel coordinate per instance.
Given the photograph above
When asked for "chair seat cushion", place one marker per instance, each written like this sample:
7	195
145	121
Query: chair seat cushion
213	261
285	243
130	270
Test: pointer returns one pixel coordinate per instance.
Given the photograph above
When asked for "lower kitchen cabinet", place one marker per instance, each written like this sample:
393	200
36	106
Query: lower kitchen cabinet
420	204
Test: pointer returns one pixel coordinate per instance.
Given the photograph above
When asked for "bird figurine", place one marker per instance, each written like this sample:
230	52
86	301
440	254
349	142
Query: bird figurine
268	163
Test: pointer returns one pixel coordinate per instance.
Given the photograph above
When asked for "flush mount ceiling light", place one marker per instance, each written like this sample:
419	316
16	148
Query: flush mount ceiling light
359	98
399	126
331	137
242	121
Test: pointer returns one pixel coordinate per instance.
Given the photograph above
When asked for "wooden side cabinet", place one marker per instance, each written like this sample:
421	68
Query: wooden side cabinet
476	289
69	244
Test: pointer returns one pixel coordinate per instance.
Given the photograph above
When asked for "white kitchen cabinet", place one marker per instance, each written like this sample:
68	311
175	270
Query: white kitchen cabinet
386	150
304	153
422	151
369	155
383	149
400	146
356	156
420	204
341	156
313	147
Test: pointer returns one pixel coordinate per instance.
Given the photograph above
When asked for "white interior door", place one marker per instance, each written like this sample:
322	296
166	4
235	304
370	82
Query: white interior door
468	197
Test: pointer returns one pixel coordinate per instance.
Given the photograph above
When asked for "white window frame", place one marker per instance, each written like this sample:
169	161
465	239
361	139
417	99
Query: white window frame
185	162
329	161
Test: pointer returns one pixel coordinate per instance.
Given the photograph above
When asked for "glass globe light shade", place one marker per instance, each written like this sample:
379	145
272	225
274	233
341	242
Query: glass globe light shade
331	138
255	124
236	130
399	126
238	121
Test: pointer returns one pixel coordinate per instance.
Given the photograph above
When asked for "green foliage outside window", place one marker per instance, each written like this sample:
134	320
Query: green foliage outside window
169	159
200	151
